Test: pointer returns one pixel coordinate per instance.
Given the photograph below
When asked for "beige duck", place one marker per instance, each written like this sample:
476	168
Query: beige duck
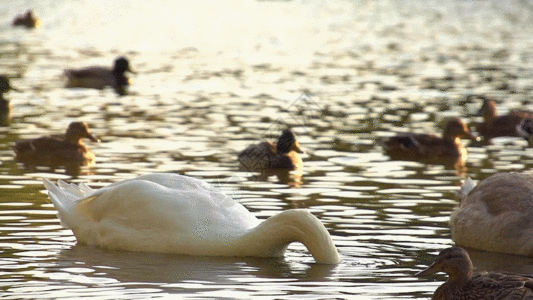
496	215
462	284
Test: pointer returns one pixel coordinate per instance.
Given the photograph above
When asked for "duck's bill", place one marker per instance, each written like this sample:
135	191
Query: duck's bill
297	148
93	138
473	137
428	271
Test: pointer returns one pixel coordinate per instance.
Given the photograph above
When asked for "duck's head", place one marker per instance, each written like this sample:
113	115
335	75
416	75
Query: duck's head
121	65
287	142
453	261
4	84
456	128
77	131
488	109
525	129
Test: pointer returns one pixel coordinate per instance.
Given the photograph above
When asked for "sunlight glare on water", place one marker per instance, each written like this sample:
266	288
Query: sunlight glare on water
211	79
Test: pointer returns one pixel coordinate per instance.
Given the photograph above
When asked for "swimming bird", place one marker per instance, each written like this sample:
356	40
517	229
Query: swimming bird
497	126
273	156
97	77
171	213
57	151
6	110
496	215
416	146
28	20
462	284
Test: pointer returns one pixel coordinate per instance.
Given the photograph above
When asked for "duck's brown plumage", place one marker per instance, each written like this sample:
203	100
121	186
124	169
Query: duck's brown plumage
97	77
497	126
426	146
462	284
57	151
273	156
6	110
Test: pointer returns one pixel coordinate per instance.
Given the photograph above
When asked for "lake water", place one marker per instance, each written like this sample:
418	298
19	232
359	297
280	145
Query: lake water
213	78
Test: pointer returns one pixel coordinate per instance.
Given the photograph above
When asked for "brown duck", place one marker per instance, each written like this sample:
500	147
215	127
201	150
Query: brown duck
55	151
497	126
97	77
462	284
426	146
266	156
6	110
28	20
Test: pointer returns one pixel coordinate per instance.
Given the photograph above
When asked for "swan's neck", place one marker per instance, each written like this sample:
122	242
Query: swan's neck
272	236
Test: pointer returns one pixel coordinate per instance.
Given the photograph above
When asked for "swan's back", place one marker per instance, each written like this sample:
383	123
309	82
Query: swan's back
497	215
155	212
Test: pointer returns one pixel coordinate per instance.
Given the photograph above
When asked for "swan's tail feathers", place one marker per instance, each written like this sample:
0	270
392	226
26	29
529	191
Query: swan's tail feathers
467	187
64	200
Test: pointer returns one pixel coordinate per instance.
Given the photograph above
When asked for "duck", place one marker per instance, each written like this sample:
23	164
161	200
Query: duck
463	284
496	214
426	146
503	125
265	156
57	151
176	214
6	109
98	77
28	20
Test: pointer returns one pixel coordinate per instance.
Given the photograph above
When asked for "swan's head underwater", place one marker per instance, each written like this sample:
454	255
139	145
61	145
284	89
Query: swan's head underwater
170	213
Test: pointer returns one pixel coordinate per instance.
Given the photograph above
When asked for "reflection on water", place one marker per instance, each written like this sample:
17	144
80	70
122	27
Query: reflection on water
212	80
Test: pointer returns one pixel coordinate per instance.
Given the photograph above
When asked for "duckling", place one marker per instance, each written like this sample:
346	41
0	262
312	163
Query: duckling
265	156
97	77
463	284
423	146
6	110
55	151
497	126
496	215
28	20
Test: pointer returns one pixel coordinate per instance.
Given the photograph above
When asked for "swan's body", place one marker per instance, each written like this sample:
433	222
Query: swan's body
170	213
496	215
462	284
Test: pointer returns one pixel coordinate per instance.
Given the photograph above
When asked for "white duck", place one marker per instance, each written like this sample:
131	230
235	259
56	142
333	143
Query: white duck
171	213
496	215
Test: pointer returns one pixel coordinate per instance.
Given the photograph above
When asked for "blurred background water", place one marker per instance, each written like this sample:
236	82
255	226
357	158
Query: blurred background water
215	77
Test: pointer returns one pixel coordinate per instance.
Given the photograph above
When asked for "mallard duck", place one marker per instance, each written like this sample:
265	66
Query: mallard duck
97	77
170	213
425	146
496	215
56	151
273	156
28	20
462	284
6	110
496	126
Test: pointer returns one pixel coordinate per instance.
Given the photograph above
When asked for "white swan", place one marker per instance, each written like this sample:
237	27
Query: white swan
496	215
171	213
